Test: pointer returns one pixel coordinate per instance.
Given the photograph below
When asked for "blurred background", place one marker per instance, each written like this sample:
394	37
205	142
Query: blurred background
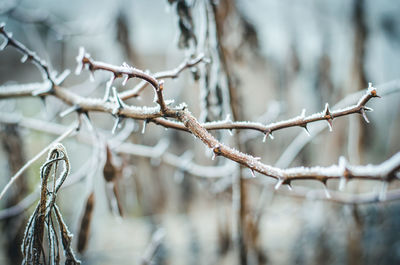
169	202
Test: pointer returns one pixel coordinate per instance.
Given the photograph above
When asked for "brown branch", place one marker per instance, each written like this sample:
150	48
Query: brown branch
189	121
27	54
385	171
299	121
84	60
174	73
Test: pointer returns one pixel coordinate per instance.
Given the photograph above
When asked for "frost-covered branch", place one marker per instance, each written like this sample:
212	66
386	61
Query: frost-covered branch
300	121
174	73
186	121
27	55
84	60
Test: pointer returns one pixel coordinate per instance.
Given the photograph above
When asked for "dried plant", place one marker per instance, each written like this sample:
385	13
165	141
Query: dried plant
220	112
47	216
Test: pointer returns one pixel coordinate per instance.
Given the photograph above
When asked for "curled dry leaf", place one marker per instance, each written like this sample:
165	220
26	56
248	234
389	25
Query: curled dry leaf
110	171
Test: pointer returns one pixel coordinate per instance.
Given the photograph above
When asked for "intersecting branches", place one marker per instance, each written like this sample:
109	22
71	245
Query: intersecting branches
184	120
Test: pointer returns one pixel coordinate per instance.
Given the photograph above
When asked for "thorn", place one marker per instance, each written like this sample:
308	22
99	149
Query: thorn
306	129
117	124
342	183
271	136
69	110
372	90
265	137
213	156
161	85
117	98
279	184
330	125
108	88
289	186
43	100
362	111
79	60
85	116
144	126
327	193
91	76
124	64
24	58
342	162
327	112
252	173
4	45
61	77
303	113
367	108
125	80
268	133
230	132
382	193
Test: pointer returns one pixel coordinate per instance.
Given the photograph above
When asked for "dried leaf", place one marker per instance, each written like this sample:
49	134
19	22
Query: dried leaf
84	230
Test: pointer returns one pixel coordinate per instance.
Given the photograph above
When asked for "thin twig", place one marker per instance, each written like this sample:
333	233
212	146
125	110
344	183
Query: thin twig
30	162
27	54
188	63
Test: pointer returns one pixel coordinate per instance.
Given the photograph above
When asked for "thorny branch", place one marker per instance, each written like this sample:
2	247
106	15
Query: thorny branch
189	123
188	63
27	54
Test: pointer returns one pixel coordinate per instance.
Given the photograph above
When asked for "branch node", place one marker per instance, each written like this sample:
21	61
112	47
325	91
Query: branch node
372	91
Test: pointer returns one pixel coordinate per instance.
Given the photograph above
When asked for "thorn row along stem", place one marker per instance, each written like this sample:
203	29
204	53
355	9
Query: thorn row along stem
187	122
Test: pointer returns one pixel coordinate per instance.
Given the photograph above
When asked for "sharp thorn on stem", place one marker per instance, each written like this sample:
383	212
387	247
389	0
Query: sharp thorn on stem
279	184
69	110
117	124
330	124
342	183
362	111
383	192
306	129
144	126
